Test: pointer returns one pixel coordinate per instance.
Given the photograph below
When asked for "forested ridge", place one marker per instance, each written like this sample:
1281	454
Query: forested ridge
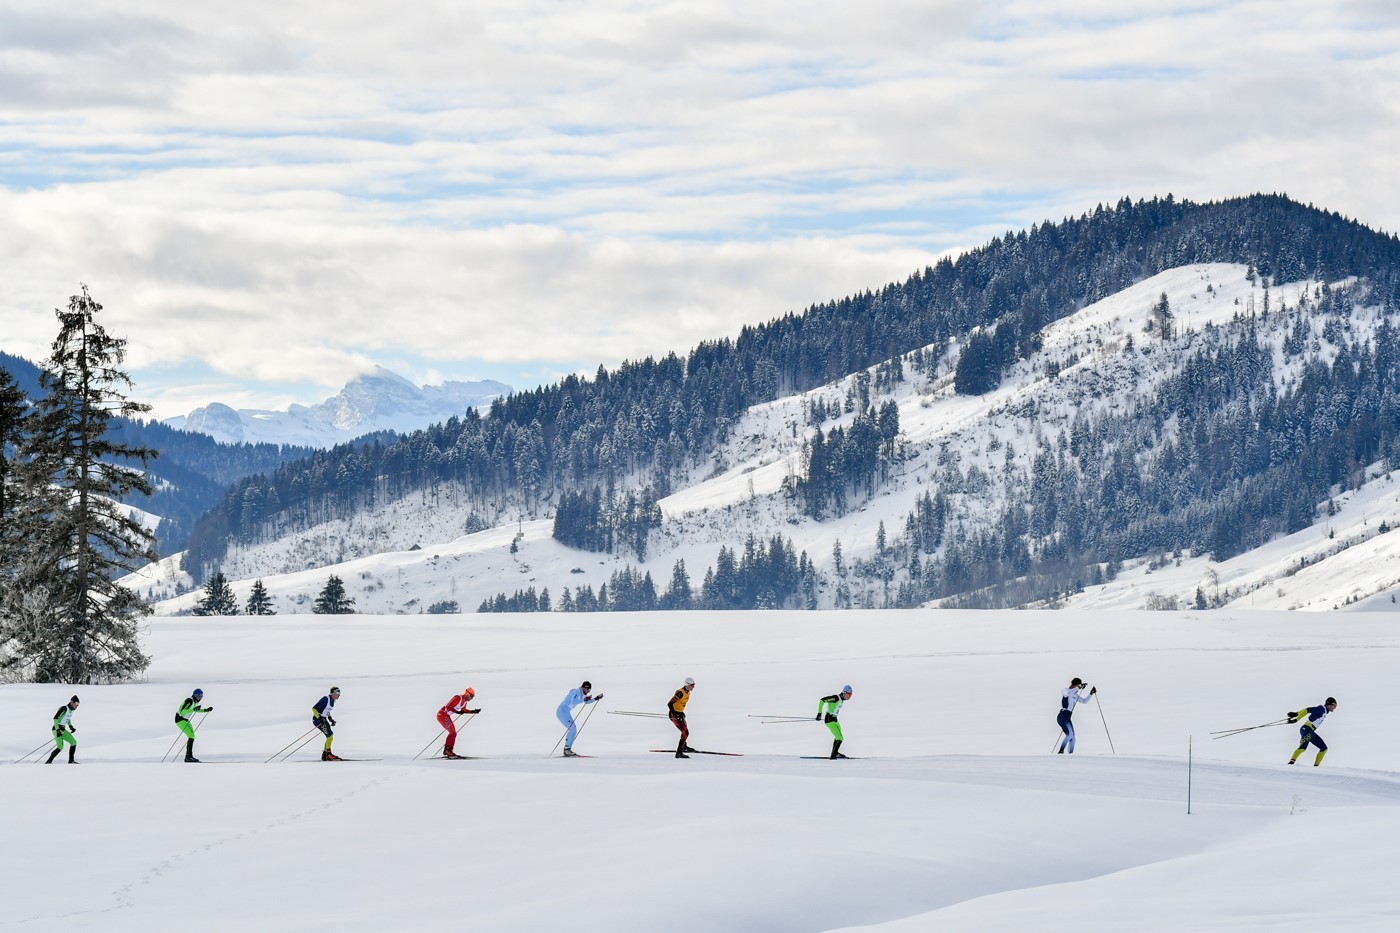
644	422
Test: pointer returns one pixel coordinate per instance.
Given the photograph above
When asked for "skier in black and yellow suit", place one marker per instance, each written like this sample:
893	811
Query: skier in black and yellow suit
1308	731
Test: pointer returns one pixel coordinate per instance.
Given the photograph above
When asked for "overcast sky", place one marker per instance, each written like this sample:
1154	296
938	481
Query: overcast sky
270	197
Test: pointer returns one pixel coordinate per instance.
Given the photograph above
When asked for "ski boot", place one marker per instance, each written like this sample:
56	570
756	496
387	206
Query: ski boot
682	755
328	755
190	759
569	752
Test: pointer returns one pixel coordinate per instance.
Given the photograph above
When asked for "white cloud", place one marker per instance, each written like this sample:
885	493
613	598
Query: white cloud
292	192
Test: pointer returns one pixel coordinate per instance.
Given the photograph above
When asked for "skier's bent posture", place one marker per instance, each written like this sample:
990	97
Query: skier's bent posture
676	706
63	730
1071	695
188	708
579	696
1308	731
828	708
455	706
322	719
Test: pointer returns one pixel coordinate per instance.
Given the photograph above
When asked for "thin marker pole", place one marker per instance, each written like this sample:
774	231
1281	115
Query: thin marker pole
1188	775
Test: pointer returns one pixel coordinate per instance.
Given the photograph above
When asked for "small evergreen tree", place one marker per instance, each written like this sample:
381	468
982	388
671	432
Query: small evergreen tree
218	598
333	599
259	602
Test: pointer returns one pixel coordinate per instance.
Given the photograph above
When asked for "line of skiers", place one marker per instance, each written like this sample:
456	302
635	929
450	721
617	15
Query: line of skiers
828	709
1314	715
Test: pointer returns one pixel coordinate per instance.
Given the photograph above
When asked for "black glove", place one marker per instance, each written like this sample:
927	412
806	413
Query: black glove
474	711
331	720
72	728
1292	717
209	709
818	717
597	698
1093	690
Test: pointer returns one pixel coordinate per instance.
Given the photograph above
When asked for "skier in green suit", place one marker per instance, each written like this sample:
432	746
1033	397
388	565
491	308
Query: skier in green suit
828	707
188	708
63	730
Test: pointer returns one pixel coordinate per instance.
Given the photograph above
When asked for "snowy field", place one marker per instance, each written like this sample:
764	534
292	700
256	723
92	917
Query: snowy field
956	817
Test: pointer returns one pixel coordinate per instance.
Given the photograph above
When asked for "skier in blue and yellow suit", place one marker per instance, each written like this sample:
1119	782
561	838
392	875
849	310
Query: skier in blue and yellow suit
1308	731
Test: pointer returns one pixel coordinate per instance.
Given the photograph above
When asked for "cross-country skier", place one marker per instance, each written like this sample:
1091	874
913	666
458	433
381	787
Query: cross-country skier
581	695
1071	695
63	730
187	709
676	705
322	719
828	707
1308	730
455	706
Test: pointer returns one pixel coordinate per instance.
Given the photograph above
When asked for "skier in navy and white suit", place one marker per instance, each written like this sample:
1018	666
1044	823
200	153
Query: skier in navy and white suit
1071	695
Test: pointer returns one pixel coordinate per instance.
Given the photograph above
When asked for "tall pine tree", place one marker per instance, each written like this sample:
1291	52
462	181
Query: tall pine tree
76	624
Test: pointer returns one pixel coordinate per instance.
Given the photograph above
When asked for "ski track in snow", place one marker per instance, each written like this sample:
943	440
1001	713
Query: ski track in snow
955	817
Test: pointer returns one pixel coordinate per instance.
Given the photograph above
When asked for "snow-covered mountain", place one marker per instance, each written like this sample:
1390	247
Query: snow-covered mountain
979	451
376	401
1080	414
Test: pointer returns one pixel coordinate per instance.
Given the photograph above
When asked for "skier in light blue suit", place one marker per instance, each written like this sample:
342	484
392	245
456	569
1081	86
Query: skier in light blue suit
579	696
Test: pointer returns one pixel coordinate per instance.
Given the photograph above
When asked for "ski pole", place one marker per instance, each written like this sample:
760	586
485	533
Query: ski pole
778	722
775	716
291	743
168	751
628	712
27	754
1106	727
1276	722
586	716
310	738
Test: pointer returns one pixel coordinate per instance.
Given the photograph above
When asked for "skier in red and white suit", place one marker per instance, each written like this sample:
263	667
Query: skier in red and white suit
455	706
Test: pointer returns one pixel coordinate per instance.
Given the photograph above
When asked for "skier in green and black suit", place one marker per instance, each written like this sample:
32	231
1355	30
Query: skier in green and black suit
182	719
63	730
828	707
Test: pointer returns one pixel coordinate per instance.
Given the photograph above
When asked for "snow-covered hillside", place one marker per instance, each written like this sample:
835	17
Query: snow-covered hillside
954	815
376	401
971	448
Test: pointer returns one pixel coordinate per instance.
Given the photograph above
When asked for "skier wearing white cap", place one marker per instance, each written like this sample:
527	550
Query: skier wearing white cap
676	706
828	708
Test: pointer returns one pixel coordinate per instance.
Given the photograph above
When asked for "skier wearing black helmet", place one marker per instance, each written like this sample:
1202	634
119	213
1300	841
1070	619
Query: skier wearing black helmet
1308	730
188	708
581	695
1071	695
63	730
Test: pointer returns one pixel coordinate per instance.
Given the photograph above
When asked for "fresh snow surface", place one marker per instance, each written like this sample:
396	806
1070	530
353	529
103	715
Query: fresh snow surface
380	400
956	818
